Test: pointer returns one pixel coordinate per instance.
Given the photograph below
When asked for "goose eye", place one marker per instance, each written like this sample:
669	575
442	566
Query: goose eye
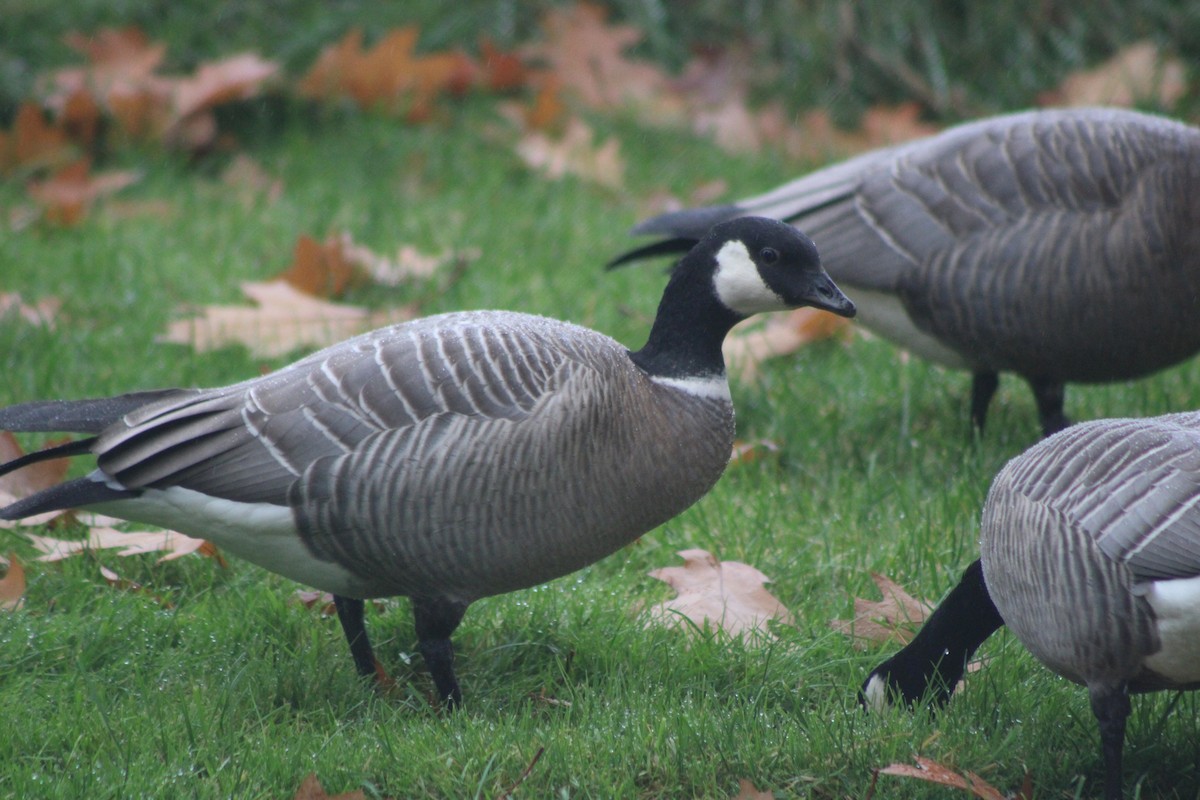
768	255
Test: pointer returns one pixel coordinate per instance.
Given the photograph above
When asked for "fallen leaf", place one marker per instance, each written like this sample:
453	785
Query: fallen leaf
748	791
311	789
43	312
929	770
320	269
752	342
894	618
408	264
34	142
250	182
727	595
502	71
390	75
67	195
31	479
171	543
284	320
748	452
588	56
125	585
574	153
12	585
1139	73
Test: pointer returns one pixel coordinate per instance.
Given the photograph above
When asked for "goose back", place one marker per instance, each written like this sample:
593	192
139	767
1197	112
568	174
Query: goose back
1083	535
1047	243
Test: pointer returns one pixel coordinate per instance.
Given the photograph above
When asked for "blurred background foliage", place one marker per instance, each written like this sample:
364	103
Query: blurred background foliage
957	58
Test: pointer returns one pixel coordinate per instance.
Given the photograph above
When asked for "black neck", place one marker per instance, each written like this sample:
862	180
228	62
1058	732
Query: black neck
685	340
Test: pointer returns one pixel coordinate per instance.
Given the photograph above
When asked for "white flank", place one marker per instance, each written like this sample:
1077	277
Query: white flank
262	533
1176	605
715	388
885	314
738	284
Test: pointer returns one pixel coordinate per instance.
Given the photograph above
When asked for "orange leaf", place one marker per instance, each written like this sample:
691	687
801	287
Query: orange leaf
12	585
36	142
80	117
728	595
503	72
317	269
748	791
311	789
69	193
548	109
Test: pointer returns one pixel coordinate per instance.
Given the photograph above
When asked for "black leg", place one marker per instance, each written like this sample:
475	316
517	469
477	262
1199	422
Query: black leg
436	618
350	613
983	387
934	661
1049	396
1110	704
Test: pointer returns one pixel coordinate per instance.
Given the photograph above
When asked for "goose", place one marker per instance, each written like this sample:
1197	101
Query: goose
1059	245
446	459
1090	554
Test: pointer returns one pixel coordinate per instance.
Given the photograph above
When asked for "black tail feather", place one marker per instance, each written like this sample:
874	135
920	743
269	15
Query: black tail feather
660	248
77	416
60	451
72	494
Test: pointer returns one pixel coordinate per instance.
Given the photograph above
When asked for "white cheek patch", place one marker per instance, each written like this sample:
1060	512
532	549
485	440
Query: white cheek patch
738	284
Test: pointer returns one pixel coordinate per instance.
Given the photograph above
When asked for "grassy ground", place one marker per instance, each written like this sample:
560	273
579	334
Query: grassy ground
237	692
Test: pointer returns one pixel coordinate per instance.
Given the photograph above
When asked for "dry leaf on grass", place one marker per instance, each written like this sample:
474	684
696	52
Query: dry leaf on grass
12	585
748	791
323	602
929	770
754	341
1139	73
251	184
68	194
311	789
284	320
574	153
34	142
894	618
726	595
389	75
28	480
588	56
171	543
126	585
752	450
43	312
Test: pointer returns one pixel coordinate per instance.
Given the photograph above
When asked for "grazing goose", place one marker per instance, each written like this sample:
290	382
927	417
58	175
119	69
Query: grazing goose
447	459
1090	548
1061	245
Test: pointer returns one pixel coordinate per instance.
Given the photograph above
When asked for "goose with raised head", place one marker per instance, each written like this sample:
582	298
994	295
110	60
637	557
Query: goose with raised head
1060	245
1090	545
446	459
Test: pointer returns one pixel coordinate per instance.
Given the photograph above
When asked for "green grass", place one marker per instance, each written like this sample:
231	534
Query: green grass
235	691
